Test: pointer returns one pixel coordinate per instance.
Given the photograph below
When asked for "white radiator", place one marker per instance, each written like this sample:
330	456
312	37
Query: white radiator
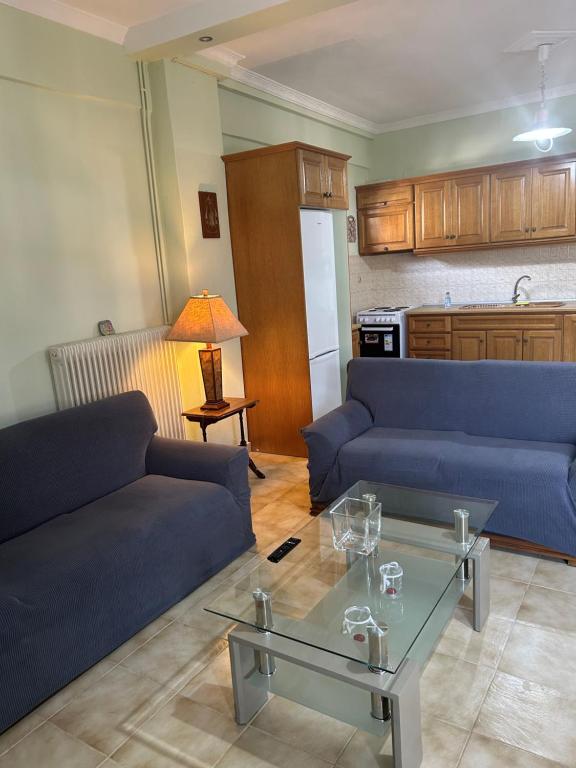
89	370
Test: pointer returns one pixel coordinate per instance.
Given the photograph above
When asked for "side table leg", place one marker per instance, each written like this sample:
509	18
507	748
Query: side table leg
203	426
406	720
251	464
480	556
248	699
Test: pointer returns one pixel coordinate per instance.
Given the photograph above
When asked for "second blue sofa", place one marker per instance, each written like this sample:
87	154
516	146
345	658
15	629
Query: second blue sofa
492	429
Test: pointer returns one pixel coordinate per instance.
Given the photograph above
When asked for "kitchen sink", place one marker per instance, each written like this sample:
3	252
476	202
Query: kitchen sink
508	305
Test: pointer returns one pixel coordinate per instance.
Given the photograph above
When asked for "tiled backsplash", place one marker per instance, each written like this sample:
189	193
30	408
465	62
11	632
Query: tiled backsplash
469	276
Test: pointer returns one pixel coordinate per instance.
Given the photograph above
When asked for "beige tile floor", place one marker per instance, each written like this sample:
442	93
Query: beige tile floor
505	698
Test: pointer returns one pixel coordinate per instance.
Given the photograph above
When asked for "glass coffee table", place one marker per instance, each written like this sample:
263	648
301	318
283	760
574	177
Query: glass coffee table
345	622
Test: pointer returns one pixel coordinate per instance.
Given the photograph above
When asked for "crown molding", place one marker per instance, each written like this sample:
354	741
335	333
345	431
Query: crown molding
303	100
259	82
479	109
53	10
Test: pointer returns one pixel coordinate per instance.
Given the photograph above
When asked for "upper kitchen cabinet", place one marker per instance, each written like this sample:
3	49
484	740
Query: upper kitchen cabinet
453	211
534	202
432	212
385	218
510	204
553	200
323	178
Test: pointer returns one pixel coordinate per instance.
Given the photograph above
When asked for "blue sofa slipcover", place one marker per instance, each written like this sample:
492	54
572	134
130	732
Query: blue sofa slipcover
501	430
103	526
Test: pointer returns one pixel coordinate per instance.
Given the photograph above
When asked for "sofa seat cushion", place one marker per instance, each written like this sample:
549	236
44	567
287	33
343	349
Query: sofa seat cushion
76	587
529	479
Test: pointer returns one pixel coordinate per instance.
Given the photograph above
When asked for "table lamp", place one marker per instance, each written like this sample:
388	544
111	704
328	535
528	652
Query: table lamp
207	318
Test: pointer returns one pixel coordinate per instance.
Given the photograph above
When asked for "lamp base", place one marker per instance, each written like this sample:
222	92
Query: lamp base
211	365
214	406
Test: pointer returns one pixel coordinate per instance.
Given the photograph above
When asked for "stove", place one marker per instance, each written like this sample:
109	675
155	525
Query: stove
383	332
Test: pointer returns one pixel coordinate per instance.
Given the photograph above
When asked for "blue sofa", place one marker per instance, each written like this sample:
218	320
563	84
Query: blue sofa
491	429
103	526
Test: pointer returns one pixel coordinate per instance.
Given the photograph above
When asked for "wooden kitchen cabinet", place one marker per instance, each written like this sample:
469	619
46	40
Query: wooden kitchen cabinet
385	218
504	345
383	229
543	346
453	212
355	342
510	201
470	209
266	189
469	345
553	200
323	179
432	214
534	202
569	338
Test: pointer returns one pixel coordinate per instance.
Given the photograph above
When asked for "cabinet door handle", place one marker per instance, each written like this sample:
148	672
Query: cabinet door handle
386	248
527	229
534	229
385	203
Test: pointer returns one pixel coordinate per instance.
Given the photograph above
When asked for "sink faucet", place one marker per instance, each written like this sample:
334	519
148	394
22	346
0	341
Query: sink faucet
516	295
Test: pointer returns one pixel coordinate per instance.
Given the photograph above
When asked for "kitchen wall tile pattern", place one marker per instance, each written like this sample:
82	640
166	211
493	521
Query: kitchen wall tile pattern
471	276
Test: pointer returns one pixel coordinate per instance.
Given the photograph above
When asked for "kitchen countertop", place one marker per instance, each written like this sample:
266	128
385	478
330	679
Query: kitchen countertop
355	326
456	309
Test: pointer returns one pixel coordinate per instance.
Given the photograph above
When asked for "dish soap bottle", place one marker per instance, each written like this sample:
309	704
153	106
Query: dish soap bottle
447	300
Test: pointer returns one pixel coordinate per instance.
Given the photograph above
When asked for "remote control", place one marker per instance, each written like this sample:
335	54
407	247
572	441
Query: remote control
283	550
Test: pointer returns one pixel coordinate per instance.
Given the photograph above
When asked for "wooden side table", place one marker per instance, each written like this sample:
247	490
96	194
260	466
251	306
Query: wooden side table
237	406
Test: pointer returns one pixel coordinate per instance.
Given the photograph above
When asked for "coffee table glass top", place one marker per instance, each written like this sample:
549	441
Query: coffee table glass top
314	585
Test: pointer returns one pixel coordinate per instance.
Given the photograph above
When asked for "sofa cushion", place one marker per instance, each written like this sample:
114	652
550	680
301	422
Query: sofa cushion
529	479
57	463
492	398
77	586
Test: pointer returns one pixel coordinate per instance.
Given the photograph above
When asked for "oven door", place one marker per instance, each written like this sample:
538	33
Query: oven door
380	340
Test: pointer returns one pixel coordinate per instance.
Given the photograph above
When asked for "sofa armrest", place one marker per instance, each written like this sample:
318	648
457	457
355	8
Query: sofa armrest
213	463
328	434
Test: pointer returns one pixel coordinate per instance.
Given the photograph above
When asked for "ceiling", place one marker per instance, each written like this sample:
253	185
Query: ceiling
388	63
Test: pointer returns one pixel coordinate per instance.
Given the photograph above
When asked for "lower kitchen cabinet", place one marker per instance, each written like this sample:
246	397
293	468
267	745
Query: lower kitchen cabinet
544	346
569	339
430	355
504	345
469	345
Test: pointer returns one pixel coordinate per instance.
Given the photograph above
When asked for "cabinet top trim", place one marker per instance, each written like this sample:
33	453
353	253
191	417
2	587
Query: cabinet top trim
289	146
536	162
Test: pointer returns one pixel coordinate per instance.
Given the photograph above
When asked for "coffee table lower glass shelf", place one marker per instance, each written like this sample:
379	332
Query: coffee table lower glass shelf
346	633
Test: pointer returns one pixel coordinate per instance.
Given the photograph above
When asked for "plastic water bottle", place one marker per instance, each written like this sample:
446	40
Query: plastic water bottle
447	300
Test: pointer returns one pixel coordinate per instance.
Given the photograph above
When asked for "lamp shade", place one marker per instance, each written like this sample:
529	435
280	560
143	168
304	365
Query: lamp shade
206	318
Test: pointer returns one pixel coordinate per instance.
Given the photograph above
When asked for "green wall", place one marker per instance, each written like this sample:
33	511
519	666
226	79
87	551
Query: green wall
466	142
76	242
249	121
187	139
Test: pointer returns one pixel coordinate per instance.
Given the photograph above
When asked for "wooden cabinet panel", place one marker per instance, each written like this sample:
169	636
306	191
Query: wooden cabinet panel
510	199
504	345
516	319
545	346
428	323
432	216
385	228
355	342
312	182
336	182
470	209
469	345
553	200
429	340
424	355
569	339
384	194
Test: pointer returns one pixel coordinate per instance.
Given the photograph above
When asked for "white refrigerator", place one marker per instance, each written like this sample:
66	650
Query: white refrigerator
321	310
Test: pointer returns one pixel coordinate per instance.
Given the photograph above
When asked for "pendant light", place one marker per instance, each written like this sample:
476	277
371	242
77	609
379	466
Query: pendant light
542	134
